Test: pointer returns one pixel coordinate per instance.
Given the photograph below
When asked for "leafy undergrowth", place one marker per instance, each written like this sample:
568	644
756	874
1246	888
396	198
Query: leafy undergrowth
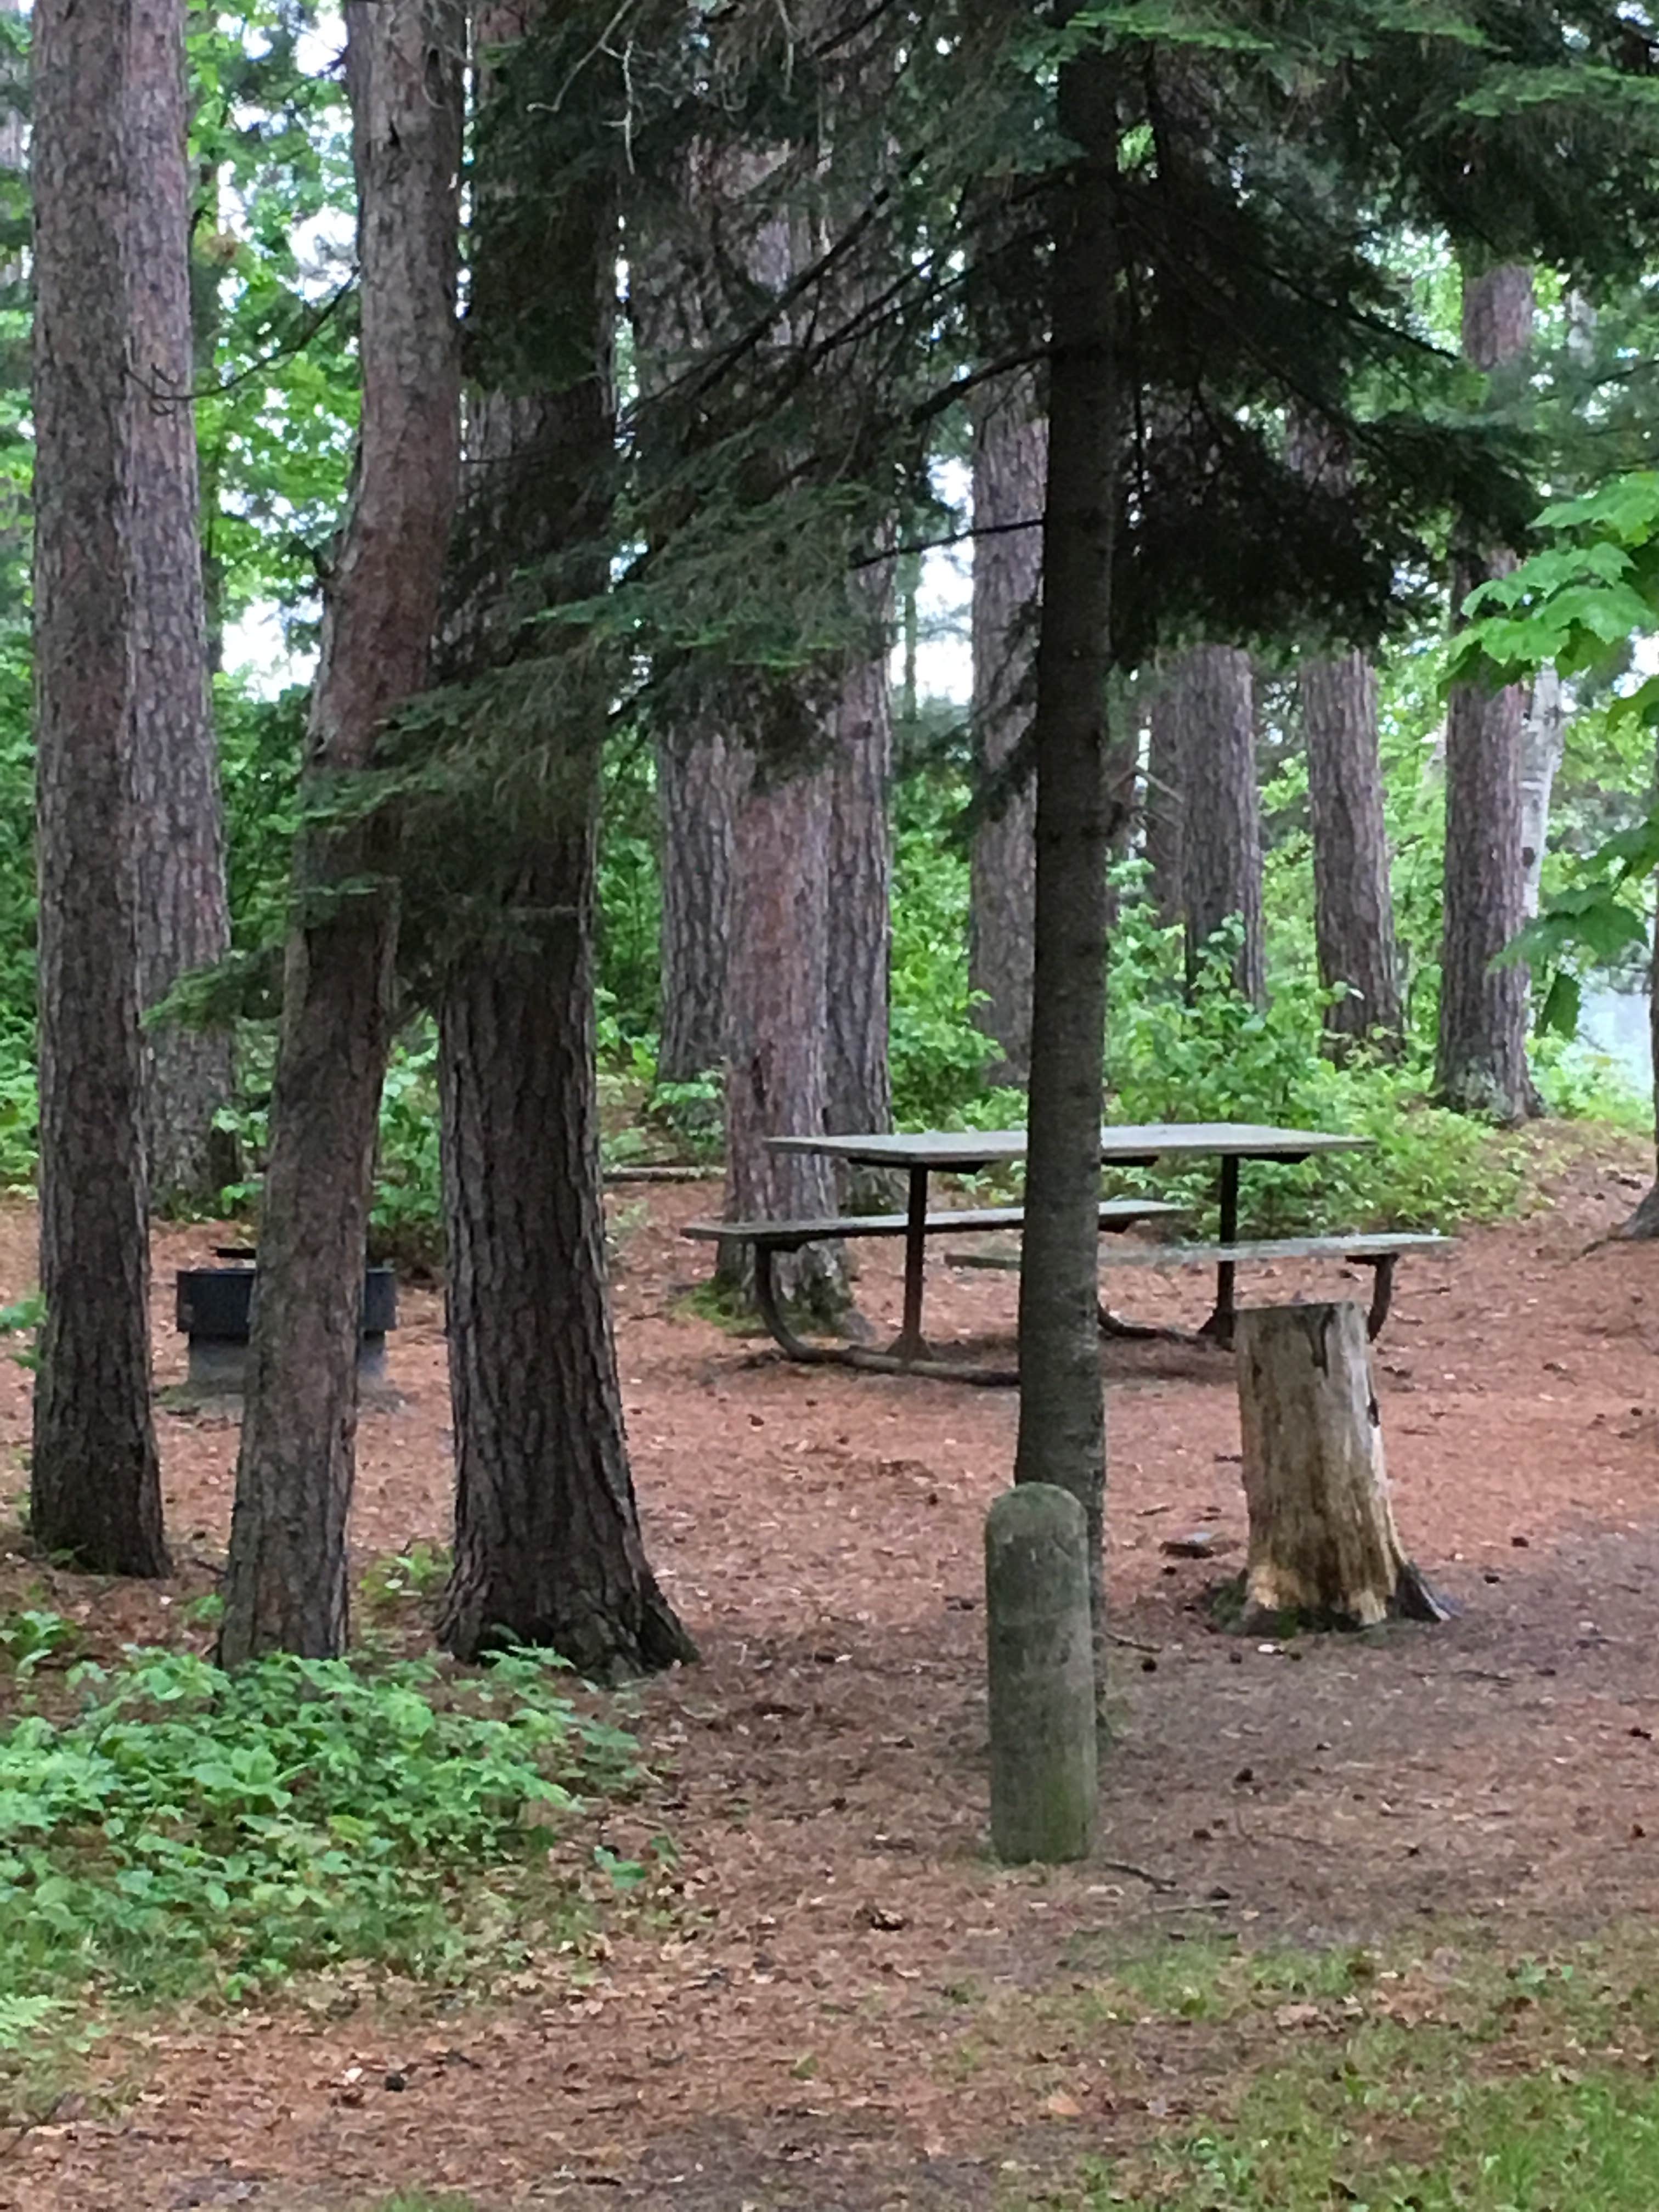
1444	2084
190	1831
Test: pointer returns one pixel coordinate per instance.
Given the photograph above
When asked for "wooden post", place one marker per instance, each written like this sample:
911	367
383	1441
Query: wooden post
1039	1646
1324	1546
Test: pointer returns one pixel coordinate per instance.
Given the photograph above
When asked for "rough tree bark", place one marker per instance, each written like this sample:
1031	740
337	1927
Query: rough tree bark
777	1079
1010	457
286	1587
1324	1550
1212	694
1164	807
1353	904
184	914
858	1080
1062	1415
548	1549
1481	1060
698	777
94	1486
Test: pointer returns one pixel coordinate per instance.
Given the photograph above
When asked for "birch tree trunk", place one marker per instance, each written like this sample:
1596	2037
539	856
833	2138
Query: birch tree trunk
1010	457
1481	1059
1212	695
94	1489
1063	1416
286	1587
183	905
1543	741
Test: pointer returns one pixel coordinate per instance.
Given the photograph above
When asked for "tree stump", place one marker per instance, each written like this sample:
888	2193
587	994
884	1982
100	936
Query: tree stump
1039	1650
1324	1550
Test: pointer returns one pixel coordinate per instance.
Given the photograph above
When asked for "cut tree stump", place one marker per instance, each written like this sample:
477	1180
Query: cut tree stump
1324	1550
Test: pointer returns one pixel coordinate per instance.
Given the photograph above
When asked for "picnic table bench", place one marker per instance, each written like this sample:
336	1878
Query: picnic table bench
1122	1145
908	1354
1379	1253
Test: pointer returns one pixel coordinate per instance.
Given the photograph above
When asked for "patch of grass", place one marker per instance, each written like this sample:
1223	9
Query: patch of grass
191	1830
1489	2085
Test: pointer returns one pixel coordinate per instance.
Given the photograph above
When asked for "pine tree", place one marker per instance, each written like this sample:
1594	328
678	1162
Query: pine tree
94	1485
286	1586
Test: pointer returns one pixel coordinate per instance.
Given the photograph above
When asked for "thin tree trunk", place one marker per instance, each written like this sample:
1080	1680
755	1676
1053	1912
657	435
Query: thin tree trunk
1062	1419
1165	807
183	905
1213	693
699	775
1010	440
1353	902
858	1080
777	1081
287	1582
548	1549
1481	1061
1543	741
94	1488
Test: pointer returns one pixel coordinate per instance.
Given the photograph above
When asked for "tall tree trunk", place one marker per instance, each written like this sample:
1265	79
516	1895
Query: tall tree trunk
1543	741
1165	806
94	1486
183	906
1353	902
1481	1061
777	1078
1010	441
1213	695
699	775
287	1584
548	1549
1063	1416
858	1079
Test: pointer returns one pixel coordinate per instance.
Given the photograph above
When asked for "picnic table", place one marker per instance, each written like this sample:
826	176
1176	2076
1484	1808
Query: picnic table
970	1151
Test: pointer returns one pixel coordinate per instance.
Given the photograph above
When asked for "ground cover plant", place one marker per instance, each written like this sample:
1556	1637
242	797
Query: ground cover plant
167	1829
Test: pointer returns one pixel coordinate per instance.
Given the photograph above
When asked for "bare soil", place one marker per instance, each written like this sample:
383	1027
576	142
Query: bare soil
847	2005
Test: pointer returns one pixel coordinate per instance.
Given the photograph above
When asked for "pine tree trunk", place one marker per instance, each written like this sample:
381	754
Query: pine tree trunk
1353	902
94	1488
698	778
1212	694
1165	806
1063	1416
1481	1060
286	1587
1010	457
548	1549
858	1081
184	910
777	1081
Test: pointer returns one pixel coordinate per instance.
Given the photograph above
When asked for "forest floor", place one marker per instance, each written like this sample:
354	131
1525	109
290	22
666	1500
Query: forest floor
840	2002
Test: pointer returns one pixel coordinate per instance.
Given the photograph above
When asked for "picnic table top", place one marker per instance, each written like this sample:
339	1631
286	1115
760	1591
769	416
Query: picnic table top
1125	1142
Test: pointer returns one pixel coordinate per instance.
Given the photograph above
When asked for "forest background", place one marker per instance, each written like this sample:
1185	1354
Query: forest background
276	418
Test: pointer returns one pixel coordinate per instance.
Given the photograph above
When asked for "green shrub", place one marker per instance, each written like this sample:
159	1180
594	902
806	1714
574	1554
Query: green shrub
190	1828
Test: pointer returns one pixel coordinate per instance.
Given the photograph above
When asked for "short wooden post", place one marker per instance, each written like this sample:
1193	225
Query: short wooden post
1324	1550
1044	1778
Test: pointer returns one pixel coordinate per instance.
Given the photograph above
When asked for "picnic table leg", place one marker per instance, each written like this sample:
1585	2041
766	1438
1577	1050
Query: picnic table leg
910	1343
1381	1293
1219	1325
771	1312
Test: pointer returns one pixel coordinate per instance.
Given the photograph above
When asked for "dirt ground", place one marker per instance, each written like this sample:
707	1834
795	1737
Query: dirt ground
802	2033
